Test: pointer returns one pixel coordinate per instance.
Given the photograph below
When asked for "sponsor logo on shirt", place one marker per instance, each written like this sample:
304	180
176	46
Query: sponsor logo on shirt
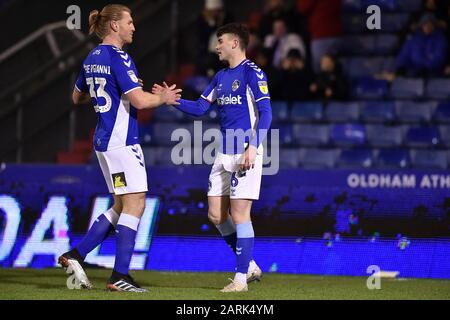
235	85
263	87
226	100
133	76
119	180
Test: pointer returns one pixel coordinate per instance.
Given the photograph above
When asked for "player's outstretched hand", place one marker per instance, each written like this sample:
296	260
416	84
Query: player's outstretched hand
170	95
157	89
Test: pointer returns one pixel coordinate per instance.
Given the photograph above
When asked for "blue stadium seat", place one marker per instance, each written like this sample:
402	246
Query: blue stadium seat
422	137
311	135
394	22
280	110
386	44
442	112
378	111
162	132
167	113
352	5
385	5
414	112
430	159
354	23
389	64
355	158
438	88
444	133
362	67
369	88
342	111
289	158
407	88
393	158
306	111
348	134
384	136
410	5
358	45
318	158
410	111
285	133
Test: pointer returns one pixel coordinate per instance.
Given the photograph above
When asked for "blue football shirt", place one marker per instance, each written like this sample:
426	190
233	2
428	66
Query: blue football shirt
239	93
108	73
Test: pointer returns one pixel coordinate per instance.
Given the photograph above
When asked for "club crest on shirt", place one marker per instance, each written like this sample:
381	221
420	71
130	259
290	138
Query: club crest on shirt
133	76
263	87
119	180
235	85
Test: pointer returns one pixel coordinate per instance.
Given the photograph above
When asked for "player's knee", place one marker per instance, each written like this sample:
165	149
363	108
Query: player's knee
214	217
134	206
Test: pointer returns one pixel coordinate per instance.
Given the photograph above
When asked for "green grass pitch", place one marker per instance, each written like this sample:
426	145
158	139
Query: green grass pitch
50	284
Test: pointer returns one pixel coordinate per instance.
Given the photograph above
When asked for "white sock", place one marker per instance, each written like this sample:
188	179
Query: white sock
129	221
240	277
252	265
112	216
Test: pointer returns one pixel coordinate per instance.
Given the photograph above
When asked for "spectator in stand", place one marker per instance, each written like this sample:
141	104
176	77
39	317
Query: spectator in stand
276	9
295	76
324	26
329	83
213	16
281	41
424	54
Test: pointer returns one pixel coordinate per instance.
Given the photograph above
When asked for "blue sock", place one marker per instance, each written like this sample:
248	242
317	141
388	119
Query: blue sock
98	232
126	230
231	240
228	232
244	246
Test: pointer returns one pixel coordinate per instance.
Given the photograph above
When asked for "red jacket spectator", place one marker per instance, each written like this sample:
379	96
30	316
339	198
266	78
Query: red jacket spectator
324	17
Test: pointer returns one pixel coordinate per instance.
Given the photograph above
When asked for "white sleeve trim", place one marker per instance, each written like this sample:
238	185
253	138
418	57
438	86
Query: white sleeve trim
206	99
139	87
262	98
78	89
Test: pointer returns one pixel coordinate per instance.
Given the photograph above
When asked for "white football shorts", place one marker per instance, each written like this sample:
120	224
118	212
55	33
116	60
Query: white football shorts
124	169
226	179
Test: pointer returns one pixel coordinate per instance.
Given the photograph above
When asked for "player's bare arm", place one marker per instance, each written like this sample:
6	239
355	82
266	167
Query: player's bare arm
144	100
80	97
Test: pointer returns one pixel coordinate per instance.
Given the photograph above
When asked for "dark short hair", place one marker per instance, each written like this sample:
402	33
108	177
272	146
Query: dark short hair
237	29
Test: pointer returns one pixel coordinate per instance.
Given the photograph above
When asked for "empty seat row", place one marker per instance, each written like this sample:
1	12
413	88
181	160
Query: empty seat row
385	5
314	158
390	22
401	88
379	44
358	134
370	111
358	67
339	134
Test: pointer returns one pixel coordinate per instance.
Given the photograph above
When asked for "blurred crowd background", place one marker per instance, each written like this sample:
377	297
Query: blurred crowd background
343	95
